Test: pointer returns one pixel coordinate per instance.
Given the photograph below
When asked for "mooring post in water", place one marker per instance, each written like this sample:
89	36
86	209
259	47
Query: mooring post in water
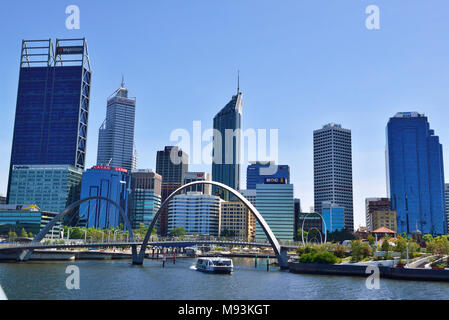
255	262
164	259
174	257
152	253
268	263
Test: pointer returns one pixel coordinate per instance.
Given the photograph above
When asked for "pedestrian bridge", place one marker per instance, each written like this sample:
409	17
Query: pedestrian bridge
169	244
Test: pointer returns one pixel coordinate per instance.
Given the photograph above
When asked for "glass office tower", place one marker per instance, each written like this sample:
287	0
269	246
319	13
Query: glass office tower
332	165
52	104
226	147
275	202
415	174
108	182
116	134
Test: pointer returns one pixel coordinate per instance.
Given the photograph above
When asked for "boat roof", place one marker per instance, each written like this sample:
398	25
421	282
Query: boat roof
215	258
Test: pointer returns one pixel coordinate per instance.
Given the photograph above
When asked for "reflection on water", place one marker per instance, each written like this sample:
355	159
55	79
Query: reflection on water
120	280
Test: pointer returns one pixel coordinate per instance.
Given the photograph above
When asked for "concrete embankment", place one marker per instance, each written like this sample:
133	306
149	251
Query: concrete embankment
361	271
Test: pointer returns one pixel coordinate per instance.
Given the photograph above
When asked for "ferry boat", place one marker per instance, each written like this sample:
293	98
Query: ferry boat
215	265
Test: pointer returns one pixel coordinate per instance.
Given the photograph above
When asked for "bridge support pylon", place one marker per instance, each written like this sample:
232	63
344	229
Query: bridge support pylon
283	258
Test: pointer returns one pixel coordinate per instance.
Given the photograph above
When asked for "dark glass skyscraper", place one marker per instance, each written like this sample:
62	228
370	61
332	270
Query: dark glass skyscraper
52	104
227	144
172	164
415	174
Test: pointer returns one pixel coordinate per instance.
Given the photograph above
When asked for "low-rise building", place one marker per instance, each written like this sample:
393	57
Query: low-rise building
237	221
384	218
14	218
334	216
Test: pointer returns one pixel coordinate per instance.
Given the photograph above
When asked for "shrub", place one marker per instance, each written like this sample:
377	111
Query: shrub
320	257
340	251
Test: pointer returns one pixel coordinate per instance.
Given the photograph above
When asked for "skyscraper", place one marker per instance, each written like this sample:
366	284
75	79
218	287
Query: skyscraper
332	159
116	134
172	164
52	104
415	174
258	172
227	144
275	202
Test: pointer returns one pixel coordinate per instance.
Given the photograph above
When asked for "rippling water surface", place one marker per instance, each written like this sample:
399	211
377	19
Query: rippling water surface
120	280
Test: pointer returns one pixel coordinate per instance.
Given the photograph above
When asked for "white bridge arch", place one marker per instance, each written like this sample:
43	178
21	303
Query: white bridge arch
266	228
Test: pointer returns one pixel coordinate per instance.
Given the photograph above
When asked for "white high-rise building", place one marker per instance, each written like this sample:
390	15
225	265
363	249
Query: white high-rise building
196	213
332	158
116	135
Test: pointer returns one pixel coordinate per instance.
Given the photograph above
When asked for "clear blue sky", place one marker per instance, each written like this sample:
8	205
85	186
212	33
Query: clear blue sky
303	63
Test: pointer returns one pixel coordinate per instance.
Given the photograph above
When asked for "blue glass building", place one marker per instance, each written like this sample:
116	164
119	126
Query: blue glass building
227	144
109	182
258	172
334	217
415	174
52	104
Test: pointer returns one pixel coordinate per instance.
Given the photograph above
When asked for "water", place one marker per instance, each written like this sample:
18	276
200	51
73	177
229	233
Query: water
119	280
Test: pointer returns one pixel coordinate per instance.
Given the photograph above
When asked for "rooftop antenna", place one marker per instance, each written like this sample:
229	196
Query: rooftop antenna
238	82
123	81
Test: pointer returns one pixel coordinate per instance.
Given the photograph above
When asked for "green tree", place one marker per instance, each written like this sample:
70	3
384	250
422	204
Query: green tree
177	232
23	233
12	235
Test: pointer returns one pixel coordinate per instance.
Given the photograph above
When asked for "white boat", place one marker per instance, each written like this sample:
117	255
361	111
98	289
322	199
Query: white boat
215	265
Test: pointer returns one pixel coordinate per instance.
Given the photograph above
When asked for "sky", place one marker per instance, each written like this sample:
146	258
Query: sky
303	63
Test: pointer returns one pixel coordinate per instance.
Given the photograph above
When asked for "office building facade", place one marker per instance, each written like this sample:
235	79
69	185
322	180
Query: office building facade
384	218
108	182
372	205
14	218
237	221
227	146
171	163
332	158
275	202
190	177
116	134
197	213
52	107
145	197
259	173
415	174
51	187
334	217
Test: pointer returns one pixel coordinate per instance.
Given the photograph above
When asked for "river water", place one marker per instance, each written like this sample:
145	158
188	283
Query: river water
118	279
